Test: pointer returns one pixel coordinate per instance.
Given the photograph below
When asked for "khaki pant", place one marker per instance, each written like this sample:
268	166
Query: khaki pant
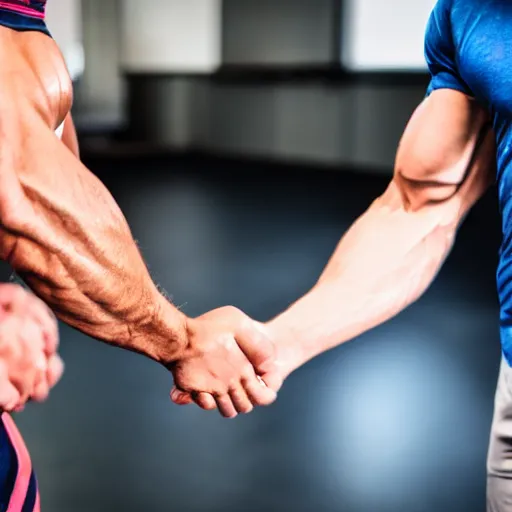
499	460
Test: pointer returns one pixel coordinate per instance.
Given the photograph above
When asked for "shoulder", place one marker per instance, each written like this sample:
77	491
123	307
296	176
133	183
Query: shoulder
439	22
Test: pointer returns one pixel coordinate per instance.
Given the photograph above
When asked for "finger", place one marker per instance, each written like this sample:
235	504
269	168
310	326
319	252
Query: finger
258	392
205	401
272	380
10	398
31	362
253	340
45	317
225	406
41	389
9	395
181	397
55	370
241	400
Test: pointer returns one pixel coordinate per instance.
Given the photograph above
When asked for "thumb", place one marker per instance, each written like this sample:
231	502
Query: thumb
273	380
180	397
255	342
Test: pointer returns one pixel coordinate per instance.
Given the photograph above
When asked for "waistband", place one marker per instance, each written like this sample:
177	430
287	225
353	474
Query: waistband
22	22
33	8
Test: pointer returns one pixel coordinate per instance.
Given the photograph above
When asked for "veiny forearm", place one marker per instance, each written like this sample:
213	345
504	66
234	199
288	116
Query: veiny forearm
384	262
392	253
64	234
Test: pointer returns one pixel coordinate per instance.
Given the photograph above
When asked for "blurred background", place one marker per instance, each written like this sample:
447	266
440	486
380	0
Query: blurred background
242	138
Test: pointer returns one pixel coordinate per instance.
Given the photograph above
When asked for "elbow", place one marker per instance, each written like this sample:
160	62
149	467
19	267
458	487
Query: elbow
425	176
420	188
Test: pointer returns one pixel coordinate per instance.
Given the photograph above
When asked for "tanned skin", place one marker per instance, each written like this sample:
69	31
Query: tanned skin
63	233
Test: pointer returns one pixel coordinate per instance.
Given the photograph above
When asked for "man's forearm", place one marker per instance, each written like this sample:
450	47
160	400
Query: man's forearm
388	258
385	261
64	234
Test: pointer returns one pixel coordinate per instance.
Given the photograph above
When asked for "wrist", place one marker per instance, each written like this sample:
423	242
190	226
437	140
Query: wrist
162	335
290	354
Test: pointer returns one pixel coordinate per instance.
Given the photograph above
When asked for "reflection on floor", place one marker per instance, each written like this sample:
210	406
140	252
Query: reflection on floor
397	421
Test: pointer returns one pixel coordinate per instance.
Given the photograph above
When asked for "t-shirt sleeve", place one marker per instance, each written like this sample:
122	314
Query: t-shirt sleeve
440	51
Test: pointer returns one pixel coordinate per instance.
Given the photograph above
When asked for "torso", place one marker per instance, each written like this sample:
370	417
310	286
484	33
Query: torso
482	35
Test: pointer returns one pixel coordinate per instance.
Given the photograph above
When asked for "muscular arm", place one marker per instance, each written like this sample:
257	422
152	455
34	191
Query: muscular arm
392	253
61	231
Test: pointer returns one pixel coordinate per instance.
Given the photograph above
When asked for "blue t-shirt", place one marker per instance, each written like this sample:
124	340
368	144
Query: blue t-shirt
468	47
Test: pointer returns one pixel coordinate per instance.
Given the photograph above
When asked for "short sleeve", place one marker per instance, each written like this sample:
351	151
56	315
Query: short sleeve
440	51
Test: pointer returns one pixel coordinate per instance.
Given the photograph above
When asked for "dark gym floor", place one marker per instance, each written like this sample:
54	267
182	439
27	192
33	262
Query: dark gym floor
395	422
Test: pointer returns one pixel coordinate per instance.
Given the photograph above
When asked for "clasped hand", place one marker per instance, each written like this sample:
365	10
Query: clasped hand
230	364
29	339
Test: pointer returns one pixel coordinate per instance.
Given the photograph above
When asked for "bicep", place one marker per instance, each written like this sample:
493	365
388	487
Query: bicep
447	152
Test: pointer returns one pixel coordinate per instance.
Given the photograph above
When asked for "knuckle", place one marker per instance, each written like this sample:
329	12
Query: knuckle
232	311
205	401
233	384
183	383
220	396
221	388
183	386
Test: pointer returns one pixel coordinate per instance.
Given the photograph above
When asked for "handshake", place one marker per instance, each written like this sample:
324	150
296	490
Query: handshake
221	360
231	363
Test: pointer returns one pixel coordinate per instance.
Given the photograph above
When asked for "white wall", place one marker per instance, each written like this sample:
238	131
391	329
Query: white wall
170	36
278	32
64	19
313	122
384	34
357	125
